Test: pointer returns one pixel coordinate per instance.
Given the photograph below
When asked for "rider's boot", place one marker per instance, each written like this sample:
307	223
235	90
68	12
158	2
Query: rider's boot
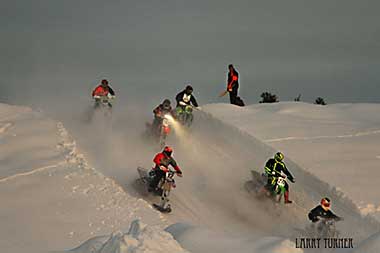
286	199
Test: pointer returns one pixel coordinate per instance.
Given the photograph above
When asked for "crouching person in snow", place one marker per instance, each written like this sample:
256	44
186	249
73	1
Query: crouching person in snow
162	161
275	168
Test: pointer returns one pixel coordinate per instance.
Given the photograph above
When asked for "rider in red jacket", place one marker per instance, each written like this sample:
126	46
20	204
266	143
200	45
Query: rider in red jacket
162	161
102	90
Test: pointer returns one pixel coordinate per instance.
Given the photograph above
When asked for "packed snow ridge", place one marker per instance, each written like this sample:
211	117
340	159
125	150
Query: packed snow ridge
139	239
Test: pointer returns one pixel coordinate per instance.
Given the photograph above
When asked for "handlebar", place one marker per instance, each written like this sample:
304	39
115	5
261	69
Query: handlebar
165	169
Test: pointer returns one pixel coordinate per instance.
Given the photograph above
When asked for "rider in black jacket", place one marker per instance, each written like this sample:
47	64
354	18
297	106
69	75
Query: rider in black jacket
323	211
186	97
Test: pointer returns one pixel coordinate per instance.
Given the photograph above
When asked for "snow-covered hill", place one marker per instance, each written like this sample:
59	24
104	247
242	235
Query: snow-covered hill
61	201
216	159
339	143
51	198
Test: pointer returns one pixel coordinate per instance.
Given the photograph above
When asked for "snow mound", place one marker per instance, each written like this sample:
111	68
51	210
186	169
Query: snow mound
140	238
276	245
198	239
371	245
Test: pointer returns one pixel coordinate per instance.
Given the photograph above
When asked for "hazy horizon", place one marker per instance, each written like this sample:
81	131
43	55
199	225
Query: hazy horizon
149	50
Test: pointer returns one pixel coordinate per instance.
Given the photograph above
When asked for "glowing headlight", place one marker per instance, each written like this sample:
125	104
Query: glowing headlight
169	117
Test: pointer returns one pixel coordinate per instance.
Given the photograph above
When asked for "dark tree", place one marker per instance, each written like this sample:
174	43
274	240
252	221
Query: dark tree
268	98
320	101
297	99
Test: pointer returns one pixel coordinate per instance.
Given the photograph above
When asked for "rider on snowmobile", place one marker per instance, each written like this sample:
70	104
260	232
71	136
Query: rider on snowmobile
160	111
186	97
273	169
323	211
102	90
185	100
162	161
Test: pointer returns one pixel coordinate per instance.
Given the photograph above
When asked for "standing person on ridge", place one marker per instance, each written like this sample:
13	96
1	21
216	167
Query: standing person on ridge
233	84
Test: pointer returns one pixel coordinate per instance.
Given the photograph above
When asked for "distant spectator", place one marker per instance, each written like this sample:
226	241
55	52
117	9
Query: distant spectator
233	84
320	101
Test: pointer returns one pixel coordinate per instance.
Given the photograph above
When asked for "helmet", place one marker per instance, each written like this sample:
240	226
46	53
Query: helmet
166	104
168	151
104	82
189	89
279	157
325	203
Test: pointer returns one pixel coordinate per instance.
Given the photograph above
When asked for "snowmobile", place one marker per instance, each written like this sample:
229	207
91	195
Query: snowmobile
104	104
258	185
161	132
184	115
101	104
324	228
163	189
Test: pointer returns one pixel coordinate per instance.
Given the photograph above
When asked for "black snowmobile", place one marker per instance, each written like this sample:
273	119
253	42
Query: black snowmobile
324	228
163	189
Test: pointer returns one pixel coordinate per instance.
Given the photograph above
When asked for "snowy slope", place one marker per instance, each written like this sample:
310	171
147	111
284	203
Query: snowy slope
68	203
339	143
51	198
216	160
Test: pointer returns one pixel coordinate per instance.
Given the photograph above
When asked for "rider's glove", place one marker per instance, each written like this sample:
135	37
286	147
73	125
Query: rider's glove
179	173
292	180
182	103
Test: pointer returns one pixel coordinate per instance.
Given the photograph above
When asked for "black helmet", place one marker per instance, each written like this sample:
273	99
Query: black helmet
189	89
166	104
104	82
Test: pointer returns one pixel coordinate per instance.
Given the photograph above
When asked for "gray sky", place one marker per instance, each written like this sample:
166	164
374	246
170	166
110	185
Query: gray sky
149	49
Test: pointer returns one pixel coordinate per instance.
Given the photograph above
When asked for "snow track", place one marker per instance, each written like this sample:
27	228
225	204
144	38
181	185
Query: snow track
216	160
